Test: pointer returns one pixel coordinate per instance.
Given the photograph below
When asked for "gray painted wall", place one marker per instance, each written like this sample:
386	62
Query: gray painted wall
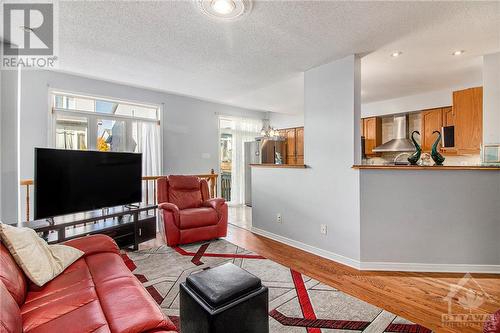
282	120
328	191
189	126
491	98
8	148
438	217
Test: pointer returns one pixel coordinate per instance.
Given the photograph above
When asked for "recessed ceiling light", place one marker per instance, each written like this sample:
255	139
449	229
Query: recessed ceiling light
225	9
458	52
396	54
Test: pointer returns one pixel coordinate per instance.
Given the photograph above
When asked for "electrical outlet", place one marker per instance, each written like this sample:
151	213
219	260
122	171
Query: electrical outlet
278	218
323	229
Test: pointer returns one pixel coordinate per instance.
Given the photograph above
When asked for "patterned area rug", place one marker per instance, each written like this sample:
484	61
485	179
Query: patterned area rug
297	303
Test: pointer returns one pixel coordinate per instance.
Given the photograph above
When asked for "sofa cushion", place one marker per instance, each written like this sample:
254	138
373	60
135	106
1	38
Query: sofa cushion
38	260
197	217
12	276
74	312
76	276
10	319
137	313
184	191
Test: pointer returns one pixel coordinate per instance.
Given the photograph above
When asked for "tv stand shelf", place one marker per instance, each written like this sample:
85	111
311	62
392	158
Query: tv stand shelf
128	226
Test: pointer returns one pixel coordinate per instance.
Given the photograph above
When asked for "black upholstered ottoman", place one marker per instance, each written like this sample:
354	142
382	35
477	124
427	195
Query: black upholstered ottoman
224	299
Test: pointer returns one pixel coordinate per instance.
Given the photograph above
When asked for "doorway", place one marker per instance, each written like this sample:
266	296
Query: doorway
234	132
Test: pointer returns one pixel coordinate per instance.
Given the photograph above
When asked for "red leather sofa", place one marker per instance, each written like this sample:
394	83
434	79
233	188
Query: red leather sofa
97	293
188	213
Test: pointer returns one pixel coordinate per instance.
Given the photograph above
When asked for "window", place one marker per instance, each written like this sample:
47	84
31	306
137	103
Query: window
91	123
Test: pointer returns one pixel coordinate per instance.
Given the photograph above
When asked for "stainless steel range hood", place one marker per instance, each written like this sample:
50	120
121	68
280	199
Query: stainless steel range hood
400	142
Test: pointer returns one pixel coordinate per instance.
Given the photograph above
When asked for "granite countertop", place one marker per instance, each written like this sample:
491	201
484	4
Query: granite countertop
490	166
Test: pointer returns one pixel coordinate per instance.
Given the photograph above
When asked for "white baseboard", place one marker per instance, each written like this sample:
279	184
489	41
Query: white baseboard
431	268
308	248
381	266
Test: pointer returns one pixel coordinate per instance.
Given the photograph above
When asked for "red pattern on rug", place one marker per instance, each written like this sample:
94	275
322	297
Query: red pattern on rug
219	255
319	323
128	262
304	301
155	294
196	258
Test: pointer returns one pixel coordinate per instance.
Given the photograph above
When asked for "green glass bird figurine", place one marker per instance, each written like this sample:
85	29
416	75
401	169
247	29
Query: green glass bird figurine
436	156
413	159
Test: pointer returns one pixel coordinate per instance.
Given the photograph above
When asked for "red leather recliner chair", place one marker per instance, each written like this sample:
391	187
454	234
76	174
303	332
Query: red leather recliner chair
188	213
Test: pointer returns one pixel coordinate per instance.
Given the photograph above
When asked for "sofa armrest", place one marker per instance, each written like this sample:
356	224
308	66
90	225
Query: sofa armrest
94	244
215	203
171	208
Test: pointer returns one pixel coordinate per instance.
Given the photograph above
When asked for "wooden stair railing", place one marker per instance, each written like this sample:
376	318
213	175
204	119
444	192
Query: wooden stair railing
210	177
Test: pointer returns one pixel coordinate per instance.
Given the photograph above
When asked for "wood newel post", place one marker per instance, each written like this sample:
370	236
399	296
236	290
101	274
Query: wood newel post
155	201
213	184
27	202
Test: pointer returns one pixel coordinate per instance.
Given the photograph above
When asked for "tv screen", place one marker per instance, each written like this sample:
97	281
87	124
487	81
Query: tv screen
71	181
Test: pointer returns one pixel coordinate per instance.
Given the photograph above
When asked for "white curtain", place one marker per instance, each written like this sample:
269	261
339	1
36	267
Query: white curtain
146	135
242	130
149	146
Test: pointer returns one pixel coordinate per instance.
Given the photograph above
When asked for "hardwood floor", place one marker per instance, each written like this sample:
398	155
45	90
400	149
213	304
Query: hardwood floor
419	297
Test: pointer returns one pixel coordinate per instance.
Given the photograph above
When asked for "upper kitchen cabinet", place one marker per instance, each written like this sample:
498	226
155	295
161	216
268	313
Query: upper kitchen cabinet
432	120
448	116
290	146
372	131
468	113
299	144
294	145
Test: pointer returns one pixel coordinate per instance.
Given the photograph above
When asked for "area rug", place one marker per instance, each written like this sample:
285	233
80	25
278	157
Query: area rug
297	303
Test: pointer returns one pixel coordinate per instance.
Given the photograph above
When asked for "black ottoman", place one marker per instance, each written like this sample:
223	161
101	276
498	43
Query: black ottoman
224	299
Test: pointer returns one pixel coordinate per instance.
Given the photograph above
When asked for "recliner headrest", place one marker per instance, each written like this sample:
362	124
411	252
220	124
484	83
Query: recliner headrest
184	182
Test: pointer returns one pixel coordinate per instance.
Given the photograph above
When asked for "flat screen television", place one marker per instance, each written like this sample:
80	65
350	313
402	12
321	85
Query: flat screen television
71	181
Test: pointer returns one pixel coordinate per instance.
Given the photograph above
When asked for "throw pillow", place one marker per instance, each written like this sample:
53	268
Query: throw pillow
39	261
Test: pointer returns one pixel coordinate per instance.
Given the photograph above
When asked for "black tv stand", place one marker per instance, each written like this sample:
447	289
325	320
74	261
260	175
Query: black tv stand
128	226
132	206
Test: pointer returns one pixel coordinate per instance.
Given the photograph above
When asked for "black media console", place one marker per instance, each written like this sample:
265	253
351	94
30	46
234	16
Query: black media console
128	226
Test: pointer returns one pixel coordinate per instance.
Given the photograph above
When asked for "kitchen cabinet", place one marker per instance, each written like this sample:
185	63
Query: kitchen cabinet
468	112
372	131
299	145
448	116
294	145
290	146
432	120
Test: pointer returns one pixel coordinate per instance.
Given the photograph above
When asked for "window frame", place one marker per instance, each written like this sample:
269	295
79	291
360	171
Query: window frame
93	116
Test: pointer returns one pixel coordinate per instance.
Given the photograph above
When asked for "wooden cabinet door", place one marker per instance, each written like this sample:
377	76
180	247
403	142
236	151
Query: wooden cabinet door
468	107
372	129
448	116
299	144
432	120
290	146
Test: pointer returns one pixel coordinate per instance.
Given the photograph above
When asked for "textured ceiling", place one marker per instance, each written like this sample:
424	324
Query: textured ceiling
258	62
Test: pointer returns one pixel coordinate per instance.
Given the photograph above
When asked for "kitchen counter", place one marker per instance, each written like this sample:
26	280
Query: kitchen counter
283	166
490	167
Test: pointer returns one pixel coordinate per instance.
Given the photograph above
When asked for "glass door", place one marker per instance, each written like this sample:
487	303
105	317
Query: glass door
111	135
71	132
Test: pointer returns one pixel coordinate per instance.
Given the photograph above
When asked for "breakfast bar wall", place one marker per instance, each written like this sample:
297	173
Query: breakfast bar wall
404	219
